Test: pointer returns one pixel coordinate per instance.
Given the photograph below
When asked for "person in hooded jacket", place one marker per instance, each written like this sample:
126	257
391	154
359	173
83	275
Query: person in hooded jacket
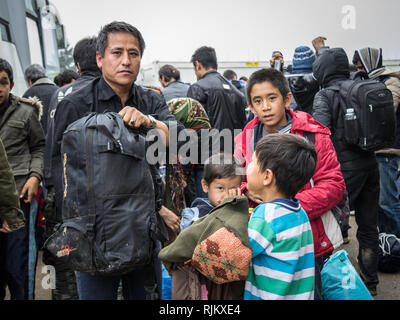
359	167
269	98
369	65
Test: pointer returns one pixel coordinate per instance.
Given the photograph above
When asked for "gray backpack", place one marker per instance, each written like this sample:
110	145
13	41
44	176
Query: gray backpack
109	214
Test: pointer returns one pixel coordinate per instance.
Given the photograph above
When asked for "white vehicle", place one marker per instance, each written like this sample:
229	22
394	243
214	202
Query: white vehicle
31	32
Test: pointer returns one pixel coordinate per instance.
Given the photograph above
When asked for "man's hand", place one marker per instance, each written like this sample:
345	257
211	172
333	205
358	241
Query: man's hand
253	197
5	228
134	118
30	189
318	43
170	219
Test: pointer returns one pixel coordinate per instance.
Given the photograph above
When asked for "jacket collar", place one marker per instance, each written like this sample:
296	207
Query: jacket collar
43	81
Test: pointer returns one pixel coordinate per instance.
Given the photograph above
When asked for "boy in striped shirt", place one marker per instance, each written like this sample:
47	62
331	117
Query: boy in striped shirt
280	233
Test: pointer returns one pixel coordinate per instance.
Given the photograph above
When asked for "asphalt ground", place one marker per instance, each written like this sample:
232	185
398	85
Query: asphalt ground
388	287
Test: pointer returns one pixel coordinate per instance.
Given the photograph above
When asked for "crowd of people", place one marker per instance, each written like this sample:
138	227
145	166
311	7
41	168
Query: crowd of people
248	223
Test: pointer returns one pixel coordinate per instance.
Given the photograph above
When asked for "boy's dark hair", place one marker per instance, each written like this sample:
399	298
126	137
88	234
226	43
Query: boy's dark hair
291	158
69	75
230	74
206	56
275	77
85	54
169	72
118	26
221	166
35	72
5	66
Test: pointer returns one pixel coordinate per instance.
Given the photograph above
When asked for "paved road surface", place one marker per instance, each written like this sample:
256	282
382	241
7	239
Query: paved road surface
388	288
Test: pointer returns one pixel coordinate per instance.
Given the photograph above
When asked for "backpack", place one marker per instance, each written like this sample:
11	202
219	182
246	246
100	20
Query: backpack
109	207
367	113
389	253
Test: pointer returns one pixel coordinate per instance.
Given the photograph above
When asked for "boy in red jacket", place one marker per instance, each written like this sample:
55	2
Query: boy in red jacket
269	97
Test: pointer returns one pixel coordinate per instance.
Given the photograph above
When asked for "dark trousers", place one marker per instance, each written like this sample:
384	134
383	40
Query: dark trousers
14	261
98	287
363	189
319	264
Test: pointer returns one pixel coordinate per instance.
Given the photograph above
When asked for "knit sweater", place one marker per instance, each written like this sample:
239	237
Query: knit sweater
282	264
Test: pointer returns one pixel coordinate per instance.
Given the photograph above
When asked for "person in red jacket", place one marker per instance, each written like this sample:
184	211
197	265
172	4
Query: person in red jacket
269	97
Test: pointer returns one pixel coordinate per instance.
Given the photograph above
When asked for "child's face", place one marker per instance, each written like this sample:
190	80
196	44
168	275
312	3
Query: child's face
254	176
219	189
5	87
269	106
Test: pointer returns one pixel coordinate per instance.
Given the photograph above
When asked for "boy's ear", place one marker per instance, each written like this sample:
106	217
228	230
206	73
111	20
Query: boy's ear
204	185
288	100
268	177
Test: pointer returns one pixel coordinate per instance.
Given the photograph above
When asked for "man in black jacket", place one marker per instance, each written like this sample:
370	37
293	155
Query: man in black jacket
85	61
41	87
225	104
359	167
120	48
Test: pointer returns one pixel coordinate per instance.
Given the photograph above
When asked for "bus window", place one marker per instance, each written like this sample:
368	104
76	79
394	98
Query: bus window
34	42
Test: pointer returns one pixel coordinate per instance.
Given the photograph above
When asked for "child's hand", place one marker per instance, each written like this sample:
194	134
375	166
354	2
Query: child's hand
253	197
235	192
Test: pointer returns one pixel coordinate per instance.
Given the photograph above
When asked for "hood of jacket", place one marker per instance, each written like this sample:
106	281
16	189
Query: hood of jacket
332	65
371	59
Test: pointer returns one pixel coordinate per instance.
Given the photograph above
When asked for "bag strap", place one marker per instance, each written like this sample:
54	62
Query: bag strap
90	185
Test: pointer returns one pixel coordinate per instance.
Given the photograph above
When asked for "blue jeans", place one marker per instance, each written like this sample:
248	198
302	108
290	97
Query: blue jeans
18	255
389	202
98	287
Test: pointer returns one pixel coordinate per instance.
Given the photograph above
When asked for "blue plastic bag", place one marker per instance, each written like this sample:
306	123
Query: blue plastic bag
340	281
166	284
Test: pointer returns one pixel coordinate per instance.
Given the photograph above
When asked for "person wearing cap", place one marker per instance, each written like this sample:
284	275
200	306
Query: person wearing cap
302	84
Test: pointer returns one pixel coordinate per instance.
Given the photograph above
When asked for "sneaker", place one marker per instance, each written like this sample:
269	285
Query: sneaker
372	291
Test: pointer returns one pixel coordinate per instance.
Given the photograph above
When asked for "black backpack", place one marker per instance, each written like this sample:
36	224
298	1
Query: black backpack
367	113
109	207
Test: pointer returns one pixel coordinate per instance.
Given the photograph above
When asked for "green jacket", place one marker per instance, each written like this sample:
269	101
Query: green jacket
9	200
23	138
232	213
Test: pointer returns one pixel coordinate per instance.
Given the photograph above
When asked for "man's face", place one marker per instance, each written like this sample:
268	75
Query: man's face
121	62
5	86
276	56
269	106
360	67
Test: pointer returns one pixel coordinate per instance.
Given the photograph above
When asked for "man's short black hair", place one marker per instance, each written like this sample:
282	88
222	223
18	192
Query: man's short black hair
275	77
69	75
221	166
5	66
58	80
206	56
291	158
118	26
169	72
85	54
230	74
